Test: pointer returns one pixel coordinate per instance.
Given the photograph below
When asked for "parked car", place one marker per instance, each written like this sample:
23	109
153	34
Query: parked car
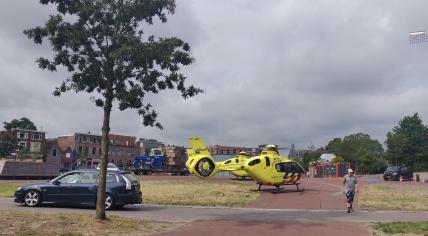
80	187
395	172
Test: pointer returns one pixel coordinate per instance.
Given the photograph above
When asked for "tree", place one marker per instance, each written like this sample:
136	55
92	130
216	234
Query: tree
310	156
103	46
363	153
8	143
23	123
334	146
407	143
337	159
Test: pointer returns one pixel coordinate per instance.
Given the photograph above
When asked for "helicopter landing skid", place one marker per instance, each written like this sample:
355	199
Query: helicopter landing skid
278	187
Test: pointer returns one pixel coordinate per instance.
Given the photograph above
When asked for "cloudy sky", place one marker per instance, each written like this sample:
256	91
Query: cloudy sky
278	72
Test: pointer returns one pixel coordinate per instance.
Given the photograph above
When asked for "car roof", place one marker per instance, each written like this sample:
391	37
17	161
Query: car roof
96	170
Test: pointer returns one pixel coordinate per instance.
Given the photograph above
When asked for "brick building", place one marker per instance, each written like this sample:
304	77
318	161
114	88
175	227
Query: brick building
83	150
122	149
30	141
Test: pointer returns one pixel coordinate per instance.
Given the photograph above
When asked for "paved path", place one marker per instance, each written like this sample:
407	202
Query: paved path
186	214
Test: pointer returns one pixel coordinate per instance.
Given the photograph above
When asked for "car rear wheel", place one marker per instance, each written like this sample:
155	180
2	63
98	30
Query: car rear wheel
109	204
32	198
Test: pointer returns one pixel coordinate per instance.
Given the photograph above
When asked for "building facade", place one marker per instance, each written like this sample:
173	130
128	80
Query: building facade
30	141
83	150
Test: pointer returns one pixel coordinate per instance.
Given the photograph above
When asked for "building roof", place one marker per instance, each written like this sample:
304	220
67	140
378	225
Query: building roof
27	130
327	157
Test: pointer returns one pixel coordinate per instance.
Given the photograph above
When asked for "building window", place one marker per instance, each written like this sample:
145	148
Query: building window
22	135
94	150
100	152
36	136
54	153
22	145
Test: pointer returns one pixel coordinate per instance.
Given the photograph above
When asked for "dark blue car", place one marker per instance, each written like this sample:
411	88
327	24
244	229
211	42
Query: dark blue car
80	187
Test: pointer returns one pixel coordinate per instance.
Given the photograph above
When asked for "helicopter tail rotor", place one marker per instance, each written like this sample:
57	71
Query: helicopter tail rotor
200	161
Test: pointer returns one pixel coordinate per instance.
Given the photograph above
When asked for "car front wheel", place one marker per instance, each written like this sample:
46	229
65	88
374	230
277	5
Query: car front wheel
32	198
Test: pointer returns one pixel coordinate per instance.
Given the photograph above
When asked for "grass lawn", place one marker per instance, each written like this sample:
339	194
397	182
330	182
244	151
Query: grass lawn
26	223
8	190
198	193
394	197
400	228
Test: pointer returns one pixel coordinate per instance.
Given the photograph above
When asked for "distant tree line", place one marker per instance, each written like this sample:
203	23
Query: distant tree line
406	144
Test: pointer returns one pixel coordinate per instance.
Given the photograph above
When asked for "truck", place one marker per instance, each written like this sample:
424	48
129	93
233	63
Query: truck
169	159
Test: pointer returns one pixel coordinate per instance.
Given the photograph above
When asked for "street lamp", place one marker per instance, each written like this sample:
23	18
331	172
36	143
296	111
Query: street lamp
418	37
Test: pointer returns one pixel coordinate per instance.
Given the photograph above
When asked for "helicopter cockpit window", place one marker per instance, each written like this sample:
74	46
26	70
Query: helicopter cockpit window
227	162
296	168
283	167
254	162
267	161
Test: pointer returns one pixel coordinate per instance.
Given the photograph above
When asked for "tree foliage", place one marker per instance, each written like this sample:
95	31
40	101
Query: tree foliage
310	156
363	153
108	54
103	45
8	143
23	123
407	142
337	159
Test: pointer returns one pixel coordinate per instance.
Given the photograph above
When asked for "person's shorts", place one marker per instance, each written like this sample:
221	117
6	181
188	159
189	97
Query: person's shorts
350	196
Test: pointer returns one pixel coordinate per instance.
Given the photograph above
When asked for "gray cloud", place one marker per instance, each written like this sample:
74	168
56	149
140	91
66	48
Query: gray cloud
274	72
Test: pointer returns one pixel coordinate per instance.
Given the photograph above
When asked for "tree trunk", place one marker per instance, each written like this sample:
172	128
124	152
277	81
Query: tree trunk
101	194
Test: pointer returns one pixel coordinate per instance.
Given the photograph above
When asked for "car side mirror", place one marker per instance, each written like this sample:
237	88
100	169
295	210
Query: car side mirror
56	182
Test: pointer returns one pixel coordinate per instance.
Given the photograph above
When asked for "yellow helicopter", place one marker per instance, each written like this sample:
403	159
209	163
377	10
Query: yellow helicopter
268	168
237	161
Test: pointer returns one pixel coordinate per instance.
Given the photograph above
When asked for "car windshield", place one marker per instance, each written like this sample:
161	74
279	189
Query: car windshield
156	153
392	168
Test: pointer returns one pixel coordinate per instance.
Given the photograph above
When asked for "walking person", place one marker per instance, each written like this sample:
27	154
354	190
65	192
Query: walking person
349	182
